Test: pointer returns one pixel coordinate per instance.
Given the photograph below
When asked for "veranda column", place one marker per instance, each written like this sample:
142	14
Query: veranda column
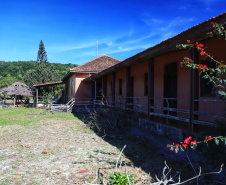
194	88
113	89
127	85
150	86
37	97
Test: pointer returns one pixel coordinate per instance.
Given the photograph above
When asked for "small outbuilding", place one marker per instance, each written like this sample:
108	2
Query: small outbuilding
18	90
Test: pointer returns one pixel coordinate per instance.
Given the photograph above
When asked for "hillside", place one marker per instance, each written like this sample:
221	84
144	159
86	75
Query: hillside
11	72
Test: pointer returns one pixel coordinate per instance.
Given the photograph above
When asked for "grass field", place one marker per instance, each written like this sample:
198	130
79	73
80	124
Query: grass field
25	116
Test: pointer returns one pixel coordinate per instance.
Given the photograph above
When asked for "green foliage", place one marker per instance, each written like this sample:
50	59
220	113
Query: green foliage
42	56
207	72
42	73
121	179
46	97
213	151
18	70
6	81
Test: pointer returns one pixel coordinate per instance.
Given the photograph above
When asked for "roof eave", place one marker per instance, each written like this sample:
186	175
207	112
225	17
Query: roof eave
196	33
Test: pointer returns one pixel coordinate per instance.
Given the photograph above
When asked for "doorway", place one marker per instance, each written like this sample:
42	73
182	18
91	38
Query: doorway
170	87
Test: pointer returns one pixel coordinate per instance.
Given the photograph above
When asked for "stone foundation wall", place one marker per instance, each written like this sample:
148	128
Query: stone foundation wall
153	128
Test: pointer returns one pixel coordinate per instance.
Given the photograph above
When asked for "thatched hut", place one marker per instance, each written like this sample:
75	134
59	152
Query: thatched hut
18	90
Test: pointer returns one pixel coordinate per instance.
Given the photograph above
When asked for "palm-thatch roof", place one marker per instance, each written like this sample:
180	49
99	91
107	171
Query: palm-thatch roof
17	88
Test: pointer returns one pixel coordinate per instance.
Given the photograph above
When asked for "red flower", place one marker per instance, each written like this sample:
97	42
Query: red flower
205	66
208	137
190	60
188	41
83	171
202	53
187	140
196	43
193	142
200	45
213	30
184	145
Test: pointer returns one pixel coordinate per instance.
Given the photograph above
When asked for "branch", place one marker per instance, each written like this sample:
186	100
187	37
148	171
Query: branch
119	157
199	175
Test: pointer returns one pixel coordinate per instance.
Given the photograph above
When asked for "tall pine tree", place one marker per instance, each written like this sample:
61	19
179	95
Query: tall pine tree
42	56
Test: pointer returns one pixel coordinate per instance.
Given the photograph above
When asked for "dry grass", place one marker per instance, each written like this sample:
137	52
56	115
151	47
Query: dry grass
54	151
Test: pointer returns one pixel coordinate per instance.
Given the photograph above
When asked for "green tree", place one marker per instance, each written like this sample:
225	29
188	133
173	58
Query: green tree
42	73
6	81
42	56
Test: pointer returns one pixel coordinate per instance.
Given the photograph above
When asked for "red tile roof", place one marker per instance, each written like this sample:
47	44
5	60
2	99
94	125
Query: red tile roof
96	65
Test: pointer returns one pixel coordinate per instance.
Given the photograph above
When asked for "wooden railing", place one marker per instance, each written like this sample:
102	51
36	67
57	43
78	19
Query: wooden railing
137	106
70	105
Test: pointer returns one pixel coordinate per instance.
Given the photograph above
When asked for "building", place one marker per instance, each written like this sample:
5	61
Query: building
153	84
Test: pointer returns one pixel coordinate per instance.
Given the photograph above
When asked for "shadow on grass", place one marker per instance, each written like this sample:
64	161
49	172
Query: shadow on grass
147	153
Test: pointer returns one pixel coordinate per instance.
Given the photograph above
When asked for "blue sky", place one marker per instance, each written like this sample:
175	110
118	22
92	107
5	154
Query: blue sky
70	28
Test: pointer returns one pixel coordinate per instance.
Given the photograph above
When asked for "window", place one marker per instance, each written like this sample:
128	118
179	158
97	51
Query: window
206	87
120	87
146	84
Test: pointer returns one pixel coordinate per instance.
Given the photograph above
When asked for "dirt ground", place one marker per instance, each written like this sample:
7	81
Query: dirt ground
56	151
60	151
